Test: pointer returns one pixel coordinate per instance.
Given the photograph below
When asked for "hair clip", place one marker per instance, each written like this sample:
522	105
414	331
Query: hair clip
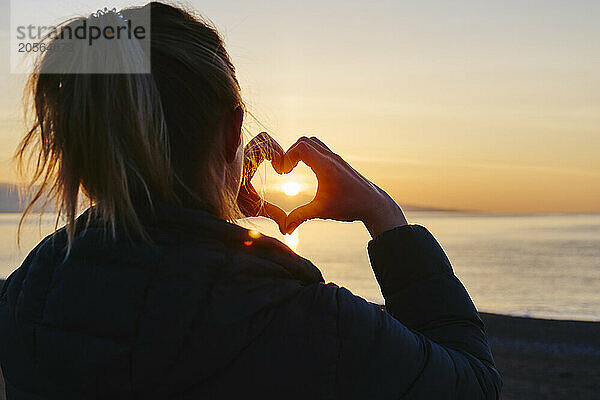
99	13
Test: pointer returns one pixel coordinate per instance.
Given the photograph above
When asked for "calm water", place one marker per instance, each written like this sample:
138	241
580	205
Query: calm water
544	266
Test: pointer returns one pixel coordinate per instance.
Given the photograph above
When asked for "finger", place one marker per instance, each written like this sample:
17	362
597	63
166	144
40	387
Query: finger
251	205
322	145
275	213
263	147
276	155
270	150
328	151
300	215
305	151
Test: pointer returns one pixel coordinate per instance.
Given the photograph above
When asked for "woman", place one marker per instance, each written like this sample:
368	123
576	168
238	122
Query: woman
151	293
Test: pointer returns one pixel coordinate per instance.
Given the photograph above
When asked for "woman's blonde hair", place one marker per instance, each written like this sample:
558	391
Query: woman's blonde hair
119	140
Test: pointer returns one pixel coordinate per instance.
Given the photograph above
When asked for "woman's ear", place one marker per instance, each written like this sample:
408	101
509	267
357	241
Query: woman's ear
233	134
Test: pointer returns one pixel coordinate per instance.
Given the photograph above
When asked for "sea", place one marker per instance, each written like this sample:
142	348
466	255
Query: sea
545	266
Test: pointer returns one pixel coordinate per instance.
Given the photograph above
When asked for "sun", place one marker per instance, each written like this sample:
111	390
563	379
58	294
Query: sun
291	188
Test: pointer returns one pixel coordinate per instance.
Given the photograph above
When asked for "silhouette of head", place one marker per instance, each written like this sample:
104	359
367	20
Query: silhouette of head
117	140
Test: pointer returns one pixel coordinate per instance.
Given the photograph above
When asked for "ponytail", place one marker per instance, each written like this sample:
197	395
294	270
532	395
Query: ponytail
114	140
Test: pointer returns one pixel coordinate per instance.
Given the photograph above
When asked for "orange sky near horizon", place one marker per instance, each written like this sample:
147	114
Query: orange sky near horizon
485	106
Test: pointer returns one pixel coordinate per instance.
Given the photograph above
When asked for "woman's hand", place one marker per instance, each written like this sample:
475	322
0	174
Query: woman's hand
261	147
342	193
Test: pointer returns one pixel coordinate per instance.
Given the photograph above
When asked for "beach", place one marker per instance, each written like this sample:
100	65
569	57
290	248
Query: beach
545	359
539	358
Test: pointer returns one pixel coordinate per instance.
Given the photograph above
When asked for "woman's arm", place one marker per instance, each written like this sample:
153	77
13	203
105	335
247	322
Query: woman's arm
429	342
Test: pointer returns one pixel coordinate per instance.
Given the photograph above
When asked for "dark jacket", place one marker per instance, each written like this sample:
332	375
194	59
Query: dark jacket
209	312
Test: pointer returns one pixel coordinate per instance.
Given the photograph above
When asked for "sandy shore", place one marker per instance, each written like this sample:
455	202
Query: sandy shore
540	359
546	359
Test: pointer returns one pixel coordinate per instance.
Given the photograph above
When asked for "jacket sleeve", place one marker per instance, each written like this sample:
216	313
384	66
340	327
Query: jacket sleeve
428	342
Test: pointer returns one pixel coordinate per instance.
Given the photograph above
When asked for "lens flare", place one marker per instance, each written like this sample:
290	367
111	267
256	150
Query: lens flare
254	234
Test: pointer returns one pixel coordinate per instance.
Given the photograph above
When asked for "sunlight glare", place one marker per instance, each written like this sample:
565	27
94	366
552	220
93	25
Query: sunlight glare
291	240
291	188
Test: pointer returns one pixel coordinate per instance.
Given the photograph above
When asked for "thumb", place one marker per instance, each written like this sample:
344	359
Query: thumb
275	213
300	215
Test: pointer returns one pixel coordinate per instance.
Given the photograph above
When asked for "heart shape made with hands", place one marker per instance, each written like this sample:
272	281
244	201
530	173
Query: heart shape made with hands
343	194
288	190
274	205
278	194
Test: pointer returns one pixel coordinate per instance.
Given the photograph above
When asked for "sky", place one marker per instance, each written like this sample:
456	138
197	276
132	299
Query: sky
475	105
